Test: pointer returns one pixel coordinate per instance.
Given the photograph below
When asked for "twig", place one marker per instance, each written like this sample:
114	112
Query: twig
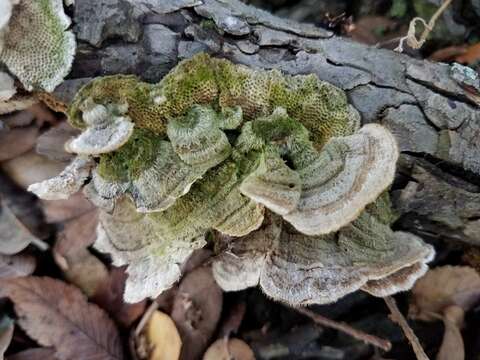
397	317
411	38
347	329
146	316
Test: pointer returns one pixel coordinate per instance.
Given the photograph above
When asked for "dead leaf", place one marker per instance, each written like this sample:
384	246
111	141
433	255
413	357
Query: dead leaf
449	53
160	338
16	266
24	206
452	347
30	168
58	315
196	311
34	354
6	334
51	143
62	210
233	320
17	141
14	236
224	349
442	287
373	29
109	296
71	254
470	56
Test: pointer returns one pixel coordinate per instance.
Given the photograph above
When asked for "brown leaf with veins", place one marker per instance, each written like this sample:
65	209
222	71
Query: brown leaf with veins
34	354
58	315
196	311
16	266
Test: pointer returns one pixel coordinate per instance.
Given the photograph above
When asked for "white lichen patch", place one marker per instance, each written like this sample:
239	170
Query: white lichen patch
35	44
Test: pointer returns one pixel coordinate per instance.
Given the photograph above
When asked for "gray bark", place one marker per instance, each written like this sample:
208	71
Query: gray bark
432	108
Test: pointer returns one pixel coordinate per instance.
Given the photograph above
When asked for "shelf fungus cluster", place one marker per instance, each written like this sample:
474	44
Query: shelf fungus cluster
275	168
35	43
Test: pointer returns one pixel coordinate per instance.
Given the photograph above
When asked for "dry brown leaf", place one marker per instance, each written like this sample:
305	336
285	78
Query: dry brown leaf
30	168
62	210
452	347
109	296
71	254
161	338
17	141
442	287
196	311
58	315
448	53
470	56
6	333
14	236
16	266
224	349
34	354
51	143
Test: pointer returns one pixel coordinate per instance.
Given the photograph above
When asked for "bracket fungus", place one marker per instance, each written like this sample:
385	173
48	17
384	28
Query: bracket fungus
35	43
276	167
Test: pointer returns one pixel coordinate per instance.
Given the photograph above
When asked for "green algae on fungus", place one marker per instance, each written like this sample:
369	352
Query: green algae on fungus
130	160
276	163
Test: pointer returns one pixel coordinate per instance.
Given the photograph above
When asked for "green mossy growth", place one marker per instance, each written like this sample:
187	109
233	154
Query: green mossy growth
131	159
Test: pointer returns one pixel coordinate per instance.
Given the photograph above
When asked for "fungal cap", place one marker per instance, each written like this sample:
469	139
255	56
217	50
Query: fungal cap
350	173
68	182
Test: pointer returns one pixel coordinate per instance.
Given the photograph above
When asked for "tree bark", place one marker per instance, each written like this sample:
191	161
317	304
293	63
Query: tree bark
432	108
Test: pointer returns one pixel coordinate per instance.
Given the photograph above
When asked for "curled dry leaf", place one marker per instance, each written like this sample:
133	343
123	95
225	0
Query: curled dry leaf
442	287
14	236
160	339
6	333
16	265
226	349
196	311
71	254
76	328
34	354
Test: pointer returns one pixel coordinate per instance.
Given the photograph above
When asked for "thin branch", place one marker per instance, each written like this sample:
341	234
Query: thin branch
397	317
411	37
347	329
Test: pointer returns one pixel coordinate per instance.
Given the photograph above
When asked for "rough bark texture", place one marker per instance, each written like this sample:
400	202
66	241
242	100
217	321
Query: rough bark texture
432	108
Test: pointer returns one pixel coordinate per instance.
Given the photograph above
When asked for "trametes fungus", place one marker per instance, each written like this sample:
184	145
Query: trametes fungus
277	167
35	44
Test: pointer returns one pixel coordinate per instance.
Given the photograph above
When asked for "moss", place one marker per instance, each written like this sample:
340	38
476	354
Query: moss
132	159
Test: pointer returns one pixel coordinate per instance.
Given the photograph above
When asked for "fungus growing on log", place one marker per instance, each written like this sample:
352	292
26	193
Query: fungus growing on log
276	167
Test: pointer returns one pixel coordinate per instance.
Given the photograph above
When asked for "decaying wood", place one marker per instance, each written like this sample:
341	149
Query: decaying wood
432	108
